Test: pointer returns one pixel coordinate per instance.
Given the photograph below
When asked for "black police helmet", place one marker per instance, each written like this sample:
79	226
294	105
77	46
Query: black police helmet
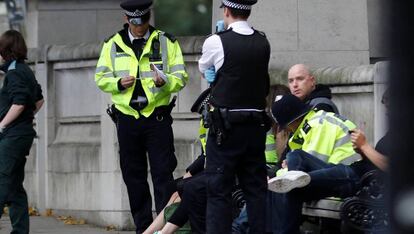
139	9
288	108
201	100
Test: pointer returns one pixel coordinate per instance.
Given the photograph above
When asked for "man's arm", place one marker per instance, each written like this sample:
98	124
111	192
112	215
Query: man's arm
105	78
14	112
213	55
361	145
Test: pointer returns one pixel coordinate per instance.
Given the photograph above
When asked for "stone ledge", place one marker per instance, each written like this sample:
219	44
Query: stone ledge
334	76
85	51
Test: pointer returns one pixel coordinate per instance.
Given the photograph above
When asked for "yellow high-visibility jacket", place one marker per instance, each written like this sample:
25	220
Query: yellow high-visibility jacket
270	152
118	60
326	136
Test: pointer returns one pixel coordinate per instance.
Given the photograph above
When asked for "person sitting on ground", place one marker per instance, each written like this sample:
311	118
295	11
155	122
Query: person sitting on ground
303	85
175	216
191	199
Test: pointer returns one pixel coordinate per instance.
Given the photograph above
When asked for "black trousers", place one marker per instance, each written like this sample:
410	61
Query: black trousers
137	137
193	204
242	154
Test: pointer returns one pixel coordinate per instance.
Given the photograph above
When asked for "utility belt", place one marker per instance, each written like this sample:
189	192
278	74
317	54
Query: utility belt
159	112
221	120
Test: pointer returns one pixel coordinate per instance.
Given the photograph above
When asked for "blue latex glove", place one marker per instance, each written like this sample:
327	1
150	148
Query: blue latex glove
210	74
220	26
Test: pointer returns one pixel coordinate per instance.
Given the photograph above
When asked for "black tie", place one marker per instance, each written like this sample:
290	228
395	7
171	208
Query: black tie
137	46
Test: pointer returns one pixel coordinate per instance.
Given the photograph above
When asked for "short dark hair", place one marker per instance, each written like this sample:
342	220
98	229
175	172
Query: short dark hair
13	46
237	13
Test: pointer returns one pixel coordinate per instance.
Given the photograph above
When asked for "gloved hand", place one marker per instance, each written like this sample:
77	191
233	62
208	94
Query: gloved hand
220	26
210	74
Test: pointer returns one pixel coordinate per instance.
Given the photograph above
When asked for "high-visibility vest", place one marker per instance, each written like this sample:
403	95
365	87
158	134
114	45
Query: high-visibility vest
117	60
326	136
270	151
203	136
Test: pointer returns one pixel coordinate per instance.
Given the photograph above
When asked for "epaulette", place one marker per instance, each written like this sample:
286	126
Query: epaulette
222	32
109	38
260	32
171	37
306	128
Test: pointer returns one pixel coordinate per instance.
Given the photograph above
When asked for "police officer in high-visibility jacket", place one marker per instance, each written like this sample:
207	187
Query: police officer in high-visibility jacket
140	67
318	163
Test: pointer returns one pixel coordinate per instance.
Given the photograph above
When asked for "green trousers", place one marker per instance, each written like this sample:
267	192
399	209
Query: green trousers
169	211
13	152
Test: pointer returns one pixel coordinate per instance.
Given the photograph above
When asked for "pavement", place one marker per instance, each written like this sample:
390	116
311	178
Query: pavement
51	225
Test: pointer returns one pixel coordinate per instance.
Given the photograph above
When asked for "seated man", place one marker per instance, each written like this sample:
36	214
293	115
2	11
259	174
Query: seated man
318	165
321	145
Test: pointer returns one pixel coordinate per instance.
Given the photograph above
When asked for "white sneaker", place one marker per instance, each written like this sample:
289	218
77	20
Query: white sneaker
288	181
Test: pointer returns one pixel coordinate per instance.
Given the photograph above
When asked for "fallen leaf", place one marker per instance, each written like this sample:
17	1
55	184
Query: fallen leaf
33	212
49	212
69	220
110	228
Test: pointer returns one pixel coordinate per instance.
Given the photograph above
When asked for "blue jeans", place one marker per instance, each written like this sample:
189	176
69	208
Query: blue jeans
241	223
326	180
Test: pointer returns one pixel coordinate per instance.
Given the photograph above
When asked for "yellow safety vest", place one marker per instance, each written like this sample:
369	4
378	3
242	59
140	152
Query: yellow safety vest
118	60
270	152
326	136
203	135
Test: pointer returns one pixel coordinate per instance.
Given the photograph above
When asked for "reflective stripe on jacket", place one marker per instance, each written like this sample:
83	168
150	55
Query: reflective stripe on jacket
203	135
326	136
118	60
270	152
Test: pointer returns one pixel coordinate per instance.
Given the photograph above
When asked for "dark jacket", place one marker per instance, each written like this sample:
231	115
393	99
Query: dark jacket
20	87
320	99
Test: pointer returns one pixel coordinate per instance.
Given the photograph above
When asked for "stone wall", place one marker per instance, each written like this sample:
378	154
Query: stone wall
316	32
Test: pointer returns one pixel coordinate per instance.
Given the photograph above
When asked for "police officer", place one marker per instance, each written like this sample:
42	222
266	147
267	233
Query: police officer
140	67
236	142
321	152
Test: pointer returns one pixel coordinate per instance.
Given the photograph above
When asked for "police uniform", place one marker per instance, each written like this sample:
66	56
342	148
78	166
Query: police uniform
142	112
236	141
321	146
